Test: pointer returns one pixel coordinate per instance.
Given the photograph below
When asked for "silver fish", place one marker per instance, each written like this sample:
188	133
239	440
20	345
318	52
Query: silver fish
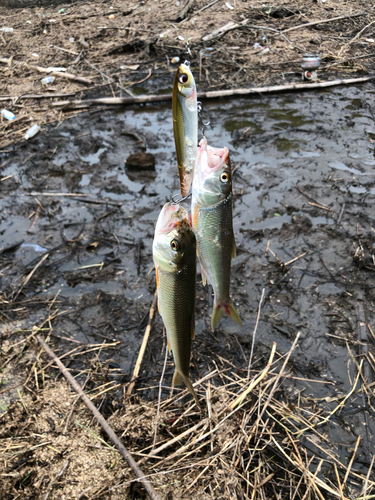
174	252
212	225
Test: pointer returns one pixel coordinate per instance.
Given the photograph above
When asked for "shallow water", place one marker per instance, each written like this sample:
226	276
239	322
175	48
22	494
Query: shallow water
316	141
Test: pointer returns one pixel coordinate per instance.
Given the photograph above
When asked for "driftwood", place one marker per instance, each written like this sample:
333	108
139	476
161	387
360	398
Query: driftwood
63	74
102	421
213	94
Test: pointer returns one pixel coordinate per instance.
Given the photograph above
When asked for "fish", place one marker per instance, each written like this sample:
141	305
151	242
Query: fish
185	124
174	253
213	225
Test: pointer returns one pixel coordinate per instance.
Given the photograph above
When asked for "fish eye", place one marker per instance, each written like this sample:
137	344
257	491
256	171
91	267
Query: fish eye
175	245
224	177
183	78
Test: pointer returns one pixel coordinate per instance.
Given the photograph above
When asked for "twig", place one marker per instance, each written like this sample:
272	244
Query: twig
55	478
35	96
256	381
213	94
314	23
339	482
124	452
206	6
159	398
143	346
295	259
29	276
254	332
63	74
340	215
351	461
326	419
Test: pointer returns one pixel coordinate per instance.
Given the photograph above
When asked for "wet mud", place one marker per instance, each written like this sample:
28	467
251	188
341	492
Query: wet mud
304	188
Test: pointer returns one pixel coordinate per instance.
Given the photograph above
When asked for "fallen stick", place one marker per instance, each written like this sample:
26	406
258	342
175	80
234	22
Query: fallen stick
212	94
69	76
314	23
102	421
35	96
143	346
228	27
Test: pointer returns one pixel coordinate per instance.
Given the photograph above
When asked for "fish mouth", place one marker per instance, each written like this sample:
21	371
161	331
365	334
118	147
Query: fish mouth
211	158
171	217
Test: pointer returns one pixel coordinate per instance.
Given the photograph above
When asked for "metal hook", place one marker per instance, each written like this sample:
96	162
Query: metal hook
178	201
202	124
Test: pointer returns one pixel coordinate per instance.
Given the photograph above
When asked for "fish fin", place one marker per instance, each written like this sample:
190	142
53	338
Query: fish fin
217	313
219	310
194	216
193	328
234	251
169	344
204	277
190	387
177	378
234	314
157	285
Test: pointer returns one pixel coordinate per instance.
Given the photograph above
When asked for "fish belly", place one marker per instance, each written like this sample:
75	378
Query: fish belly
176	294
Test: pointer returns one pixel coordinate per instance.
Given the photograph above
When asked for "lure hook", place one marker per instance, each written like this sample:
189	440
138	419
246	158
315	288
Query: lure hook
202	122
177	201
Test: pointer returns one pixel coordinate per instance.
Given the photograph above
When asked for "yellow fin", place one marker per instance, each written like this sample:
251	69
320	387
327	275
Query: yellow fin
190	387
204	277
217	314
177	378
219	310
233	314
234	251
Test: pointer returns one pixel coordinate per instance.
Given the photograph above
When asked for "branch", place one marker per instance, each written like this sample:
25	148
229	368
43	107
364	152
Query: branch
213	94
314	23
102	421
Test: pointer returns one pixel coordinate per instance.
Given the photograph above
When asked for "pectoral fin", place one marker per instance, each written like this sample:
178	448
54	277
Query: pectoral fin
204	277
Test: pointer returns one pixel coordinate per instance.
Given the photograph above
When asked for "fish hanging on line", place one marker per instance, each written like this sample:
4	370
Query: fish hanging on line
185	124
174	253
213	226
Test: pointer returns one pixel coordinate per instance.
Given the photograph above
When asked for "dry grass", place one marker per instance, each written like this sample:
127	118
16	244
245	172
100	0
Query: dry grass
247	443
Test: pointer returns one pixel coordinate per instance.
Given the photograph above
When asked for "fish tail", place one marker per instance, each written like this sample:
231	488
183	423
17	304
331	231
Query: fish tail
178	378
220	309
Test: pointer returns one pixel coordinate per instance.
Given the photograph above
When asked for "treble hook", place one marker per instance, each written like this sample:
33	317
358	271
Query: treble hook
178	201
203	124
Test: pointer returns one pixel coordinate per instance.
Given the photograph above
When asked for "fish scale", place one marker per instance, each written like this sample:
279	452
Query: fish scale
177	310
214	246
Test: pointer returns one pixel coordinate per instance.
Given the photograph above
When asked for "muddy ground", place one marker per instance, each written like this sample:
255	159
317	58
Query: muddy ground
76	230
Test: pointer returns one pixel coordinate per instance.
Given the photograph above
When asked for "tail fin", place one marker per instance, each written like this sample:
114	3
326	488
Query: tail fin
219	310
178	378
